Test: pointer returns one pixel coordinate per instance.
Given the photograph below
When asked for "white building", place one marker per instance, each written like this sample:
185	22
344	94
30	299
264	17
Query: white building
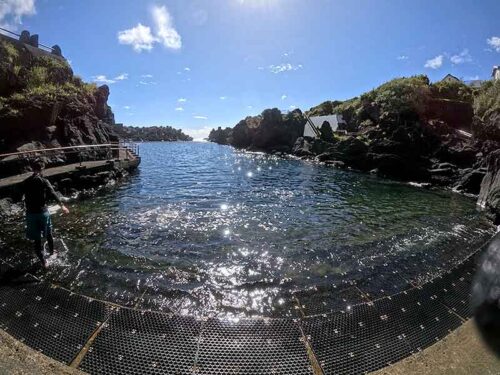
496	73
314	123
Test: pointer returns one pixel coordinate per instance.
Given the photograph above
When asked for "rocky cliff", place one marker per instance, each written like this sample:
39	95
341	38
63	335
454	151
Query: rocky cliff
406	129
270	131
43	104
489	196
150	133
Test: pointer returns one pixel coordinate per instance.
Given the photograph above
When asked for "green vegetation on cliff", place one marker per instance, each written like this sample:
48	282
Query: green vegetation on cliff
151	133
43	104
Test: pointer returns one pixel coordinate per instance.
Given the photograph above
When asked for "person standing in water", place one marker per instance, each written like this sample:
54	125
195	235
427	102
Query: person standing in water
37	190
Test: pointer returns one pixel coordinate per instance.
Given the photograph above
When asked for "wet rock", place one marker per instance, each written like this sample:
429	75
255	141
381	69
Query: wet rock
441	172
8	208
336	163
325	156
352	152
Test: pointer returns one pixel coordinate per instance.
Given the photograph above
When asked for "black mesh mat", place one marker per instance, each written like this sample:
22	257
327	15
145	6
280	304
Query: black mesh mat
419	316
135	342
356	342
347	334
327	299
252	347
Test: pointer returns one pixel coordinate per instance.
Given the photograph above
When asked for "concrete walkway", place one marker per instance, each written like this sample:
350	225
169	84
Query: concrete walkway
14	180
462	352
19	359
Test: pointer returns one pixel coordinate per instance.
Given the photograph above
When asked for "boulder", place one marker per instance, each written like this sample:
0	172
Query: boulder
396	167
353	152
9	208
487	128
470	182
335	163
489	195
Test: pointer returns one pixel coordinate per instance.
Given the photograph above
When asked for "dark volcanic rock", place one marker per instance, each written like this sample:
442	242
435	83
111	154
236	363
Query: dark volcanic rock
268	132
489	195
489	128
470	182
353	152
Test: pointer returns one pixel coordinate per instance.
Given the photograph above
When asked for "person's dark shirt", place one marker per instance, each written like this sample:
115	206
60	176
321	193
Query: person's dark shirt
37	191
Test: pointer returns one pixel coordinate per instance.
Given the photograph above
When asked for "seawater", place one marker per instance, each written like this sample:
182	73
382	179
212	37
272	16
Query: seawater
205	229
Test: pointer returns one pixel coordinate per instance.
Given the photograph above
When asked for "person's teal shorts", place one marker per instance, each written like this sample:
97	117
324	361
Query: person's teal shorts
38	225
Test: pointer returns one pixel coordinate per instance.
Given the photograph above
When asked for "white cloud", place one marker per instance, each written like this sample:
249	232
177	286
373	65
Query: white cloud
201	117
434	63
284	68
182	100
249	106
147	76
165	31
139	37
121	77
126	107
222	97
12	12
292	107
103	79
402	57
462	57
283	97
187	69
180	109
199	133
494	42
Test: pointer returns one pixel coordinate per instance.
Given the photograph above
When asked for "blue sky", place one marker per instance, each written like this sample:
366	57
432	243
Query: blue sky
198	64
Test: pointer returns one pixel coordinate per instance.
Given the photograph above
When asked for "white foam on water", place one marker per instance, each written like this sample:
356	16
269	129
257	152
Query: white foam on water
60	256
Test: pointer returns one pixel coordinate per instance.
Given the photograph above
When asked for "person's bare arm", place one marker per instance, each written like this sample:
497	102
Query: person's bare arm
53	193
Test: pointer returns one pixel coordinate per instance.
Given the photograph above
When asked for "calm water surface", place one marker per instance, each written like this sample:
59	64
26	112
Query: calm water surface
204	229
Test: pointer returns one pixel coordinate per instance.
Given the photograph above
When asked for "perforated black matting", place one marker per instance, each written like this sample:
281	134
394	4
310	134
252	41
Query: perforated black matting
345	333
135	342
357	342
249	346
419	316
328	299
55	322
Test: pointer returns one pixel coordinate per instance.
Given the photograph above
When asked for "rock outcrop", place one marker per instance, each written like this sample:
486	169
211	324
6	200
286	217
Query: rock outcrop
271	131
42	103
489	196
150	133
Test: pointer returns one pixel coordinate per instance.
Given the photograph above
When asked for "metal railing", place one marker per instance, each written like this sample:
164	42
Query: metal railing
40	45
14	163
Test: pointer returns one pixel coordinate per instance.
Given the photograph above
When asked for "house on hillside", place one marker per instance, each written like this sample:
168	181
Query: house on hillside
475	83
314	124
451	79
496	73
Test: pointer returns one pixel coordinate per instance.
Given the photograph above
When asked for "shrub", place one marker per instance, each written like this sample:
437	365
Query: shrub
452	91
487	99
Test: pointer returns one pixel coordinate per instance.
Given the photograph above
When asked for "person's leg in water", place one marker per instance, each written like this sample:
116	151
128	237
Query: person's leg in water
39	252
50	241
